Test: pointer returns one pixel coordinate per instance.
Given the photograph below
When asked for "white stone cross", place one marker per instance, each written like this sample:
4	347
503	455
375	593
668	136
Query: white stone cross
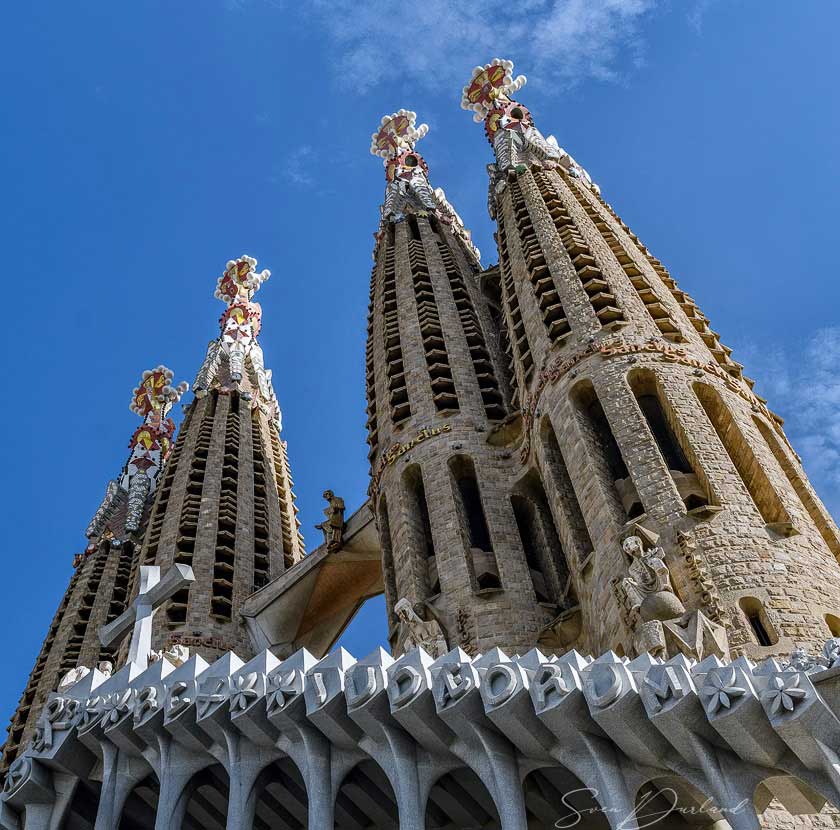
154	591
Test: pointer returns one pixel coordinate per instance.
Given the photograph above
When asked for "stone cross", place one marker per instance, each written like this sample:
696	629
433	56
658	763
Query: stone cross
154	591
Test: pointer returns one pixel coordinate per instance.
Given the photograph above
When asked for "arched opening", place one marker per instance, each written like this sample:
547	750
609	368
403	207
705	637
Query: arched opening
756	615
750	471
384	526
140	809
661	422
420	527
569	504
208	803
280	798
833	623
474	524
366	800
541	543
816	511
554	797
81	814
604	449
671	803
458	800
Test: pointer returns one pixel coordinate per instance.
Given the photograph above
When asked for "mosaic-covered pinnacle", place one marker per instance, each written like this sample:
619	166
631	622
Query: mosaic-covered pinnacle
396	134
240	280
126	497
155	391
489	84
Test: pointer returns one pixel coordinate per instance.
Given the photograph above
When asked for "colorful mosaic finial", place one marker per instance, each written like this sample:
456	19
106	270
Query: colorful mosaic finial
121	511
236	355
396	134
489	84
509	127
240	280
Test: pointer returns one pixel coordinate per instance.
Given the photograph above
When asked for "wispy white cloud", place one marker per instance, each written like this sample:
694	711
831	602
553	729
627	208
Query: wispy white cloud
437	42
296	168
803	386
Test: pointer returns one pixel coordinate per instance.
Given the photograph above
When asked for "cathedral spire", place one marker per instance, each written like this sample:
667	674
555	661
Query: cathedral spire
122	509
509	125
408	190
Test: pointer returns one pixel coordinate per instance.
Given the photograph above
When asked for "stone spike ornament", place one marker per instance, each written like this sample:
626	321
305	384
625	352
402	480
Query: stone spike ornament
121	512
509	126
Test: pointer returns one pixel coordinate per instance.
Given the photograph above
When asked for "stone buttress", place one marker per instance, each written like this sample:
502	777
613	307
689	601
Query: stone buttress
638	419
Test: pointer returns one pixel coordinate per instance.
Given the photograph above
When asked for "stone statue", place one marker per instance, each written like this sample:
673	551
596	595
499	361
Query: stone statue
800	660
648	583
658	618
417	633
175	654
333	526
106	667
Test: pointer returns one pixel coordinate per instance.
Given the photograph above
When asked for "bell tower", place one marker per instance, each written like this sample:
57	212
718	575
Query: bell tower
439	392
639	420
226	505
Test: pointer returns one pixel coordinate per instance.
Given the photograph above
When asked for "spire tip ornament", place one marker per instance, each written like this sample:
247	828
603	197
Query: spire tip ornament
126	497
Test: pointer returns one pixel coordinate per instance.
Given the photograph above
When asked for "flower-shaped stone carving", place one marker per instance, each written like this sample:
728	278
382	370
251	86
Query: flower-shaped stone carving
245	693
782	694
720	690
117	707
17	775
282	688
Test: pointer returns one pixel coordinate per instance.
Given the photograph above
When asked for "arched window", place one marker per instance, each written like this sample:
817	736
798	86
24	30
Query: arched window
541	543
765	498
557	471
206	801
604	449
384	526
474	523
816	511
833	623
762	629
420	526
693	490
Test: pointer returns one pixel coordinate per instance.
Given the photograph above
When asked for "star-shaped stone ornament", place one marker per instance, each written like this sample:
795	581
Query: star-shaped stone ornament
782	694
720	690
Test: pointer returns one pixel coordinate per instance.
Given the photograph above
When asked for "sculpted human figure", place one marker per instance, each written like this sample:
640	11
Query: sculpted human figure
333	526
648	583
417	633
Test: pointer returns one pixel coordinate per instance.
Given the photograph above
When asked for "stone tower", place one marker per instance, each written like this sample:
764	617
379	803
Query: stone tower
439	398
640	424
100	584
225	505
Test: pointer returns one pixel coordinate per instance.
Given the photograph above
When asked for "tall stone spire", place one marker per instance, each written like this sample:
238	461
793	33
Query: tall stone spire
225	505
438	389
99	588
641	425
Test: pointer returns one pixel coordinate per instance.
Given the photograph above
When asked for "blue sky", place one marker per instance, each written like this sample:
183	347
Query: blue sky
146	144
